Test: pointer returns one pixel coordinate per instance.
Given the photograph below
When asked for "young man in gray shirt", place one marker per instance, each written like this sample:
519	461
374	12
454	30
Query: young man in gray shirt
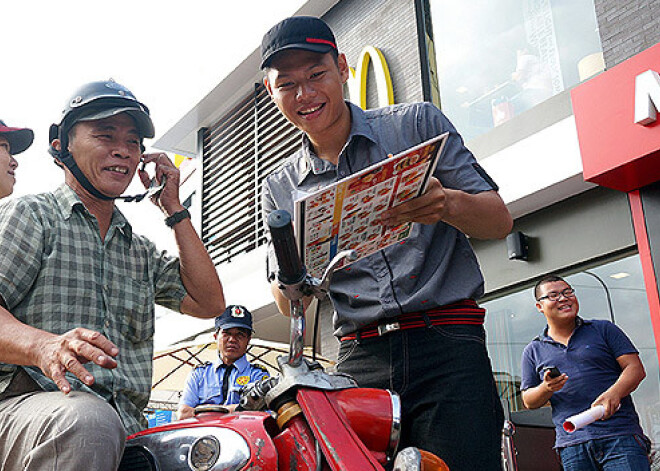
421	292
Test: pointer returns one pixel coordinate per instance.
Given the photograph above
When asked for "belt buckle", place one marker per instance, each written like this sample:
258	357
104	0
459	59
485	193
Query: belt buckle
387	328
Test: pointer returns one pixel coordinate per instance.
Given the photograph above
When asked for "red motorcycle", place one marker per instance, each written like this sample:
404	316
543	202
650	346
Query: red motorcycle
305	419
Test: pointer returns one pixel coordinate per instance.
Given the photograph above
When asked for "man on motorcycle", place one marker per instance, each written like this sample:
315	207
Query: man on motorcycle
406	316
220	382
78	287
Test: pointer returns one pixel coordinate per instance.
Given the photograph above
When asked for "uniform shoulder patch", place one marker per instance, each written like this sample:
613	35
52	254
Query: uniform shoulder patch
203	365
242	380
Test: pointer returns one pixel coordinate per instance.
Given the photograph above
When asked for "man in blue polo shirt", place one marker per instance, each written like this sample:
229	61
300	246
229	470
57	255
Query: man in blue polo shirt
599	365
220	382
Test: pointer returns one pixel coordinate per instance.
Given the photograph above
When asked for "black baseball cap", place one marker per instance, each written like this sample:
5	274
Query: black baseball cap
19	138
234	316
297	32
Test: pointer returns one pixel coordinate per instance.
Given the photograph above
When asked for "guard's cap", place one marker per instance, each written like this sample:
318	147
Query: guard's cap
297	32
234	316
19	138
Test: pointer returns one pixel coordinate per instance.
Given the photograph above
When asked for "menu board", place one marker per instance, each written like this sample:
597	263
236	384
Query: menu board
343	215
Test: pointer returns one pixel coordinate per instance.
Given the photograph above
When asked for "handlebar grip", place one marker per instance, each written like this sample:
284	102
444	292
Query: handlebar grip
291	269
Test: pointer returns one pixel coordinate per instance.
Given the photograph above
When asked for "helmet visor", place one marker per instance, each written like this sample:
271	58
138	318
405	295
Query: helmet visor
142	119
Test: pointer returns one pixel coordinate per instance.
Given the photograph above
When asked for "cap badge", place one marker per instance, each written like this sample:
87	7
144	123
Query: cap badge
237	312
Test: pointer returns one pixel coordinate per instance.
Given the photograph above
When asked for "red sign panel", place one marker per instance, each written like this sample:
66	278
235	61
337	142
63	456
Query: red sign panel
616	152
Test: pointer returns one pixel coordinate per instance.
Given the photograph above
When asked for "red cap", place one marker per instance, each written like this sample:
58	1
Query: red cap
19	138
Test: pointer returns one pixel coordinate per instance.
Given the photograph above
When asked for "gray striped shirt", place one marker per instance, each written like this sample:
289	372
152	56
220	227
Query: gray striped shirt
436	265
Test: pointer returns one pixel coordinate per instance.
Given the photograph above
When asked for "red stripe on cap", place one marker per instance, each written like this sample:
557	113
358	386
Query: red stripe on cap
320	41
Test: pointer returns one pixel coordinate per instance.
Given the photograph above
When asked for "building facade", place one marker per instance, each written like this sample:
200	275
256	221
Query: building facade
539	89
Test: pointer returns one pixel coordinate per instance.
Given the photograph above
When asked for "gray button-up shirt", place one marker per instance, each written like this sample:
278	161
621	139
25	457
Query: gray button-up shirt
436	264
57	274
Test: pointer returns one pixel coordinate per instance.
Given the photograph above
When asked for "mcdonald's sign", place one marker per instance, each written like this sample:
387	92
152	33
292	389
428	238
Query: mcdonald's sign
617	124
357	80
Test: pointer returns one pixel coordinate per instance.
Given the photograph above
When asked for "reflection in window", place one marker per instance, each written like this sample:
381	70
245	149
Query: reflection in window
499	58
512	321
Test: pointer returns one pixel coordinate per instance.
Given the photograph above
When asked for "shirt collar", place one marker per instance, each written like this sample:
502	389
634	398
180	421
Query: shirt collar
579	322
312	163
240	364
67	200
359	124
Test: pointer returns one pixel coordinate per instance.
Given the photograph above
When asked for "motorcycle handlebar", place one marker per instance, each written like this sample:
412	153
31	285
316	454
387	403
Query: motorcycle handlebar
291	270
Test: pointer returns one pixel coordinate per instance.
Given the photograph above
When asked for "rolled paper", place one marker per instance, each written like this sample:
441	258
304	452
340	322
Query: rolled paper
583	419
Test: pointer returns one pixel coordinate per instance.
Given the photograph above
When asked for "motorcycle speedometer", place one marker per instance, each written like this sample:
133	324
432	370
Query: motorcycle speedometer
204	453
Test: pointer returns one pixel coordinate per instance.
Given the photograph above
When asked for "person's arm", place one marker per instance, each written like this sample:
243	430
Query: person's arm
21	344
185	412
282	302
189	397
632	373
482	215
538	396
205	297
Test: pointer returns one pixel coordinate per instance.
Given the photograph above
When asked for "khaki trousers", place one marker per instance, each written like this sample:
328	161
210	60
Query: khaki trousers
56	432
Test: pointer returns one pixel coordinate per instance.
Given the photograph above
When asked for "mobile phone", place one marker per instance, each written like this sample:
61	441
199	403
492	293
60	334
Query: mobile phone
554	371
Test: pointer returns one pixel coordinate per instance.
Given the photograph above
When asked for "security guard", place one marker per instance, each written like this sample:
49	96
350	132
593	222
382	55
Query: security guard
219	382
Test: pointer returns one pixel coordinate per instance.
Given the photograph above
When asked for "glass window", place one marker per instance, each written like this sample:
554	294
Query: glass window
499	58
512	321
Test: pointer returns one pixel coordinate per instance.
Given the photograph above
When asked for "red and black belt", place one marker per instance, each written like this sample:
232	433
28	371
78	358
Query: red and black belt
461	312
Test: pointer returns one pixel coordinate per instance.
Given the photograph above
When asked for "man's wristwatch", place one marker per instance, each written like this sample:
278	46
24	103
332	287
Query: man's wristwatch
177	217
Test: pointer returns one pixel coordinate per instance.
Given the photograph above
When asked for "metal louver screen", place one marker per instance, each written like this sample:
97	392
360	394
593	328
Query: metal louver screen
239	151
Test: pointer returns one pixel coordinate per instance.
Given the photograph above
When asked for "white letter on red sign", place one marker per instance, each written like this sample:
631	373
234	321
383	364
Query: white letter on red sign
647	97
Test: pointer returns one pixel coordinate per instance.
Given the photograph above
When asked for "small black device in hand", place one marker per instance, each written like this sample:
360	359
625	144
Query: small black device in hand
554	371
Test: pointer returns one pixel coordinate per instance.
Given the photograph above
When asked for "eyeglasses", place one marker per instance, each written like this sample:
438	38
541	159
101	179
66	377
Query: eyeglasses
554	295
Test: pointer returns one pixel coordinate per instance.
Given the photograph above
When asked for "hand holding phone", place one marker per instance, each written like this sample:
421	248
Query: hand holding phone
553	371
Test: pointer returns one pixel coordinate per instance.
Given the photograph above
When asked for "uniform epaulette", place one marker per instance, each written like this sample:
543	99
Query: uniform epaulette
203	365
261	367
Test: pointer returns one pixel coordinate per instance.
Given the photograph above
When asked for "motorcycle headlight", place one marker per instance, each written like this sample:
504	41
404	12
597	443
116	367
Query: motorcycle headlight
191	448
204	453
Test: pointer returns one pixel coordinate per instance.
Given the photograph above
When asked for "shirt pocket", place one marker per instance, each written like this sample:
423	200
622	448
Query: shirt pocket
210	395
135	311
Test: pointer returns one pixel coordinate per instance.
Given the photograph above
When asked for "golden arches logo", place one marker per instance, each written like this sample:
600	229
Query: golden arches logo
357	80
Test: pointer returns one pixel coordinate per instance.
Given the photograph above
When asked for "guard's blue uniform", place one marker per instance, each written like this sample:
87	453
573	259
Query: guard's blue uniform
204	384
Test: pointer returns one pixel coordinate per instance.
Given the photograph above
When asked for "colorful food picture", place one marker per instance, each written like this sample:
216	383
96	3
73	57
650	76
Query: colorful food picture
319	230
369	180
316	257
319	205
409	183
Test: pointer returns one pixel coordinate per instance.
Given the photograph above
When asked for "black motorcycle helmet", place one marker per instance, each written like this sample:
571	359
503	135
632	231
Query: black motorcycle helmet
92	101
